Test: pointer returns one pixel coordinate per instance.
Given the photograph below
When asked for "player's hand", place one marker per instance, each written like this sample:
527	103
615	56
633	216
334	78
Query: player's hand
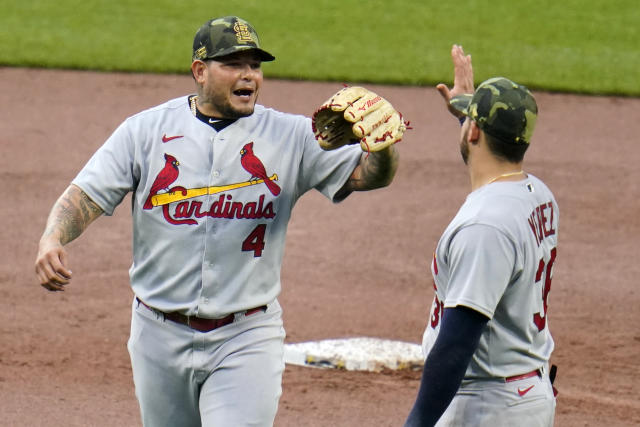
355	115
51	265
463	78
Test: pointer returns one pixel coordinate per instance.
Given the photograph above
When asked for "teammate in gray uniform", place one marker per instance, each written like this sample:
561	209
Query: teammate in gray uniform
214	178
487	340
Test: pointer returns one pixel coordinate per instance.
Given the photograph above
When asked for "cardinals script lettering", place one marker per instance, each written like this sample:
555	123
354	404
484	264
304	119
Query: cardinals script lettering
224	207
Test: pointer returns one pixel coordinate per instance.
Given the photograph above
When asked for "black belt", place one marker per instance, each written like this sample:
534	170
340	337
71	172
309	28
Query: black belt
199	323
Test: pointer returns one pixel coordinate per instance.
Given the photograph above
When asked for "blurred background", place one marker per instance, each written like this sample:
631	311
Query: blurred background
583	46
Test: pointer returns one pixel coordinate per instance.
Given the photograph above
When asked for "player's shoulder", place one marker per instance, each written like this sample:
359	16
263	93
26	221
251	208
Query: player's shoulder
535	184
173	105
501	203
268	113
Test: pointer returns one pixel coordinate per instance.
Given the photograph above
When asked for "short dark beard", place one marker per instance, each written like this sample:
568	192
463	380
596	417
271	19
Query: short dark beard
226	111
229	112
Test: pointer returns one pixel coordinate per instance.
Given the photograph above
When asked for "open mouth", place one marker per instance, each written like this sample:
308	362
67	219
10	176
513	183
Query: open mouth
243	92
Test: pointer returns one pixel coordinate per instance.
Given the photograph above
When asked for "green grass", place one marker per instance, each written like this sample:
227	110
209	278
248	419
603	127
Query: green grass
588	46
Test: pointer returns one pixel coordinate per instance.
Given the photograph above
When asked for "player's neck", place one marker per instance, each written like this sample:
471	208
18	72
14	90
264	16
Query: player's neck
490	171
216	123
198	105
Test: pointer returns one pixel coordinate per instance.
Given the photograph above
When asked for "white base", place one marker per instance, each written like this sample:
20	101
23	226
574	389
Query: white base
355	354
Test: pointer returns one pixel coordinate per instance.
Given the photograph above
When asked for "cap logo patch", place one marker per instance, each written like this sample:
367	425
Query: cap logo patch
242	32
201	52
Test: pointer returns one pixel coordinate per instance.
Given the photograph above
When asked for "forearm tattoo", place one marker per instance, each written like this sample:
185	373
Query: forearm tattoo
375	170
71	215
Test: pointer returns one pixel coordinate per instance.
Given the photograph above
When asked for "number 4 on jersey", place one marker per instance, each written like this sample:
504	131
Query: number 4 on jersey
540	319
255	240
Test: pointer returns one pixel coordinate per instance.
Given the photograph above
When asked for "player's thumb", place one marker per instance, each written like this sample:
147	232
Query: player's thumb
64	262
443	90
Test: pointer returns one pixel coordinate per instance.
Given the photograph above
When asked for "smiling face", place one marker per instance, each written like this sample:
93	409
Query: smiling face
228	86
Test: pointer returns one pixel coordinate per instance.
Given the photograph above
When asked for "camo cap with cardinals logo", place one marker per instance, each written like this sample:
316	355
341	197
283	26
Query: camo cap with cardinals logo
502	108
223	36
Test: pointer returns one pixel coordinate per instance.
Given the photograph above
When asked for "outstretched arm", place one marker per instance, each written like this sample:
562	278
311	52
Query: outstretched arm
70	216
462	79
375	170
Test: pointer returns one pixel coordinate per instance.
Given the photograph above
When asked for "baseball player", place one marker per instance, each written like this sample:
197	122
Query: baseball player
487	340
214	178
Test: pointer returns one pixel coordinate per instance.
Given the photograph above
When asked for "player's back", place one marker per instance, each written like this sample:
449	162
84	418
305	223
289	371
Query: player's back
517	338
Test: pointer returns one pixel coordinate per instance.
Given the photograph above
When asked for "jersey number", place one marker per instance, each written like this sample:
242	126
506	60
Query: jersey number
255	240
540	319
438	310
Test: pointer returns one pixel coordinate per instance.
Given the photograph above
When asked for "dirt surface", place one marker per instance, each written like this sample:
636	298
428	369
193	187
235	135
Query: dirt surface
355	269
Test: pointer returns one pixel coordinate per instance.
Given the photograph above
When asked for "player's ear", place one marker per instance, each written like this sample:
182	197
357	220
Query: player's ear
474	132
198	69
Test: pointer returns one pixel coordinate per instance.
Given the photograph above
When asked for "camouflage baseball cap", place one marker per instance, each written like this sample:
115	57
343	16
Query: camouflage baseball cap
503	109
223	36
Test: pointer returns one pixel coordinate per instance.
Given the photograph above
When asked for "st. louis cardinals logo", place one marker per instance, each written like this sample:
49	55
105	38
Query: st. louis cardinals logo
187	211
165	178
254	166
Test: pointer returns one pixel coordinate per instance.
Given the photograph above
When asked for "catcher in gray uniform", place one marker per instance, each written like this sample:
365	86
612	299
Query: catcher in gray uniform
214	178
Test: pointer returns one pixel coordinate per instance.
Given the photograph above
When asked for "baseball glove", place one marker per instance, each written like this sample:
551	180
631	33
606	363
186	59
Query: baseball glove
357	115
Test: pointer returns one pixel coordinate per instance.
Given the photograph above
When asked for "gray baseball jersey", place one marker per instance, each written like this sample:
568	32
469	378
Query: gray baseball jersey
210	209
496	257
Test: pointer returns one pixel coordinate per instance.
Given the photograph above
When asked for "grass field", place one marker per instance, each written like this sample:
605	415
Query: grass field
589	46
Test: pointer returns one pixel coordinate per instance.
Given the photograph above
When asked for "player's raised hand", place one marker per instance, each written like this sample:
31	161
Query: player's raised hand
51	265
462	80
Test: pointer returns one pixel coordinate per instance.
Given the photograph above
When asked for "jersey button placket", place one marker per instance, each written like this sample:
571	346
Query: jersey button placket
208	266
207	271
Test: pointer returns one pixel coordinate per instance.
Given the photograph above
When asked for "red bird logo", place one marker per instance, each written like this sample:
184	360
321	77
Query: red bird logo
254	166
165	178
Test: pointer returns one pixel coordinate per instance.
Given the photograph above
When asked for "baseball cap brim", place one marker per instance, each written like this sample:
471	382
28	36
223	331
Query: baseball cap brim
263	55
461	103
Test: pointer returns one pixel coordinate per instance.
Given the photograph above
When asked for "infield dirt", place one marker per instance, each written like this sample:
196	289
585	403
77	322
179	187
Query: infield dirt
360	268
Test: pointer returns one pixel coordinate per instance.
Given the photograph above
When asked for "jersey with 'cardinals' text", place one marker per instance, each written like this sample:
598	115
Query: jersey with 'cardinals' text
210	208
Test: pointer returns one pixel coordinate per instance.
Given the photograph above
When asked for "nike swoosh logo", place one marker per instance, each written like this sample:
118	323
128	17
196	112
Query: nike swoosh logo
166	138
524	391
